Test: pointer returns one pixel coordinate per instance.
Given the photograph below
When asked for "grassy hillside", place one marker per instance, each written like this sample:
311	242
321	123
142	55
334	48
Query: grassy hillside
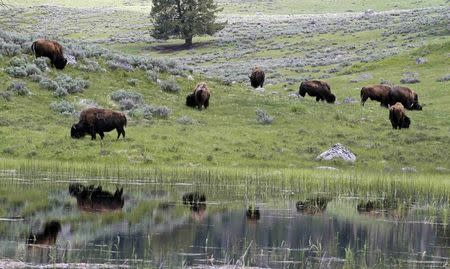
227	134
243	7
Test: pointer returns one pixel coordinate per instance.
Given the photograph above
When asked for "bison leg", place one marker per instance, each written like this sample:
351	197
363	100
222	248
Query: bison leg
206	104
101	135
93	134
318	98
120	131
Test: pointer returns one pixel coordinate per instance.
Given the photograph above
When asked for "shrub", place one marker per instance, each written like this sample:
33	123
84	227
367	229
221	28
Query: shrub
6	95
16	71
72	85
123	94
132	81
18	61
36	78
63	107
410	78
170	86
185	120
48	84
18	88
157	111
8	49
90	66
113	65
152	76
42	63
263	117
127	104
60	92
444	78
32	69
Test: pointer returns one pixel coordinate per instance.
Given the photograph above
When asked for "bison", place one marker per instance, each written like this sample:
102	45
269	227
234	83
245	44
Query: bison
319	89
398	117
98	120
51	49
257	77
94	199
378	93
199	97
48	236
406	96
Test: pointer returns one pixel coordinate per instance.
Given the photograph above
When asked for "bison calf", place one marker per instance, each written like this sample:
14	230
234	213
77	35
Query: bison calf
406	96
319	89
199	97
257	77
378	93
398	117
98	121
51	49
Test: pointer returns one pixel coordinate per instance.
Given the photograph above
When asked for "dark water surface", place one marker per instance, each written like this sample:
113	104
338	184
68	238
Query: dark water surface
176	225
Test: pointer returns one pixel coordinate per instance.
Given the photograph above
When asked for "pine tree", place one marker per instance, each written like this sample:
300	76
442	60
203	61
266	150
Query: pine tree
184	19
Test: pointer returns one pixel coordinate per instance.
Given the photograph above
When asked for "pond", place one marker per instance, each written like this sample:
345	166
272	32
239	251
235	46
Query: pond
105	223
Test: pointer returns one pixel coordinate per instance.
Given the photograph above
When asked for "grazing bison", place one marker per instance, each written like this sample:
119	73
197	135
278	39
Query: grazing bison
94	199
398	117
378	93
199	97
406	96
319	89
48	236
98	120
257	77
50	49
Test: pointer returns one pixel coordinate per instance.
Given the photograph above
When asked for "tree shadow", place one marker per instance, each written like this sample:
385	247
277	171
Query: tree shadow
170	48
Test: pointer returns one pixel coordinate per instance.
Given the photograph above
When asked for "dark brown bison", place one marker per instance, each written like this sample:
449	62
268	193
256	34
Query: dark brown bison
378	93
406	96
319	89
98	120
48	236
94	199
257	77
50	49
199	97
398	117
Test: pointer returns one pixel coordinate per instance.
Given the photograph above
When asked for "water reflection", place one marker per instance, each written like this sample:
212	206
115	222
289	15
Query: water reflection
253	213
47	236
197	205
159	231
387	207
94	199
313	206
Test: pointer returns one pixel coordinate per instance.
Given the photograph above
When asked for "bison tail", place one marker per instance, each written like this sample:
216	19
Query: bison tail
124	120
33	47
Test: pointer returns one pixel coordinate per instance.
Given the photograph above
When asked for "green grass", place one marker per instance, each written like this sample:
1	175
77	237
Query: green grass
332	6
269	7
228	134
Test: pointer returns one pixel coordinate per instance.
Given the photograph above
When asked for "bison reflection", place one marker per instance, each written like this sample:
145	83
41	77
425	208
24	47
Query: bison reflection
94	199
253	213
313	206
48	236
384	207
197	204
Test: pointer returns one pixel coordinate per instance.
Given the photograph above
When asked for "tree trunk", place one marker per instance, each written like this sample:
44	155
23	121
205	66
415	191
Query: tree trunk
188	41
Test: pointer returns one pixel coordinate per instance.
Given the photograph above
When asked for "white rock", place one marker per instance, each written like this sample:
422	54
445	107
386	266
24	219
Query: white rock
336	152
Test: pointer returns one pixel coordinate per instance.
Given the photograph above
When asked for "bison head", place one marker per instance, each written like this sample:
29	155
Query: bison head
302	91
60	63
190	100
415	106
331	98
77	131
